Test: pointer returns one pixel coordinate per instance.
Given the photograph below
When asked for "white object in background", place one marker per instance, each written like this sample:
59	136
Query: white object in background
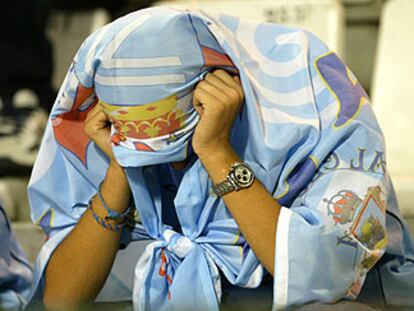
7	201
359	2
66	32
13	198
25	98
325	18
393	97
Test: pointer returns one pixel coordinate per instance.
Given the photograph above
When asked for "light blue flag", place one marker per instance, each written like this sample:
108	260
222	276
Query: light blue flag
16	275
306	129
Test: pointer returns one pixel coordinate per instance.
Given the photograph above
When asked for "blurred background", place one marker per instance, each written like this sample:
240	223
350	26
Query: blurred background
39	39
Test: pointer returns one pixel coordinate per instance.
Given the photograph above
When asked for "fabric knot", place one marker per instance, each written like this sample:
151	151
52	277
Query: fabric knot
177	243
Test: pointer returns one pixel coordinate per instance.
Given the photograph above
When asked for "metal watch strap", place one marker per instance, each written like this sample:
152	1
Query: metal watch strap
224	187
231	183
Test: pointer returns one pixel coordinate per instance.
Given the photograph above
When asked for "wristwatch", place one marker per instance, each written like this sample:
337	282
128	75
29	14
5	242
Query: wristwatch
240	176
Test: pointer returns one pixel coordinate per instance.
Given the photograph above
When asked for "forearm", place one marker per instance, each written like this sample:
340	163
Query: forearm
254	209
81	263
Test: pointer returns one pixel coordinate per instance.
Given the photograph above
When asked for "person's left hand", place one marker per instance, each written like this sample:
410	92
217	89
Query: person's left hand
218	100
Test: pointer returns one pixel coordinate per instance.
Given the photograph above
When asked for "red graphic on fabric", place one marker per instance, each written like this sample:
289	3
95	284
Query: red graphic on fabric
213	58
163	267
163	271
342	206
143	147
68	127
151	108
116	139
143	129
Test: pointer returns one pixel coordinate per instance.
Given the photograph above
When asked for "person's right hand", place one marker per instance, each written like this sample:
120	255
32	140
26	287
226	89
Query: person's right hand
98	128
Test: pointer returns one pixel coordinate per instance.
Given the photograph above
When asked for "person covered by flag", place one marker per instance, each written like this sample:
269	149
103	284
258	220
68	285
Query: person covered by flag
243	151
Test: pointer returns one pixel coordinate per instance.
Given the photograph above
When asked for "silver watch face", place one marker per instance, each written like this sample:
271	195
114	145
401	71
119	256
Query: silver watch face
243	175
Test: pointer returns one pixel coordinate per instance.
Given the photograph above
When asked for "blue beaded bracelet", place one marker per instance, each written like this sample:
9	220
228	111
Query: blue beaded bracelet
114	215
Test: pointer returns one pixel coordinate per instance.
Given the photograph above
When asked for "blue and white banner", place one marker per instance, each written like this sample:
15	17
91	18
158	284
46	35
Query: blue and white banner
307	130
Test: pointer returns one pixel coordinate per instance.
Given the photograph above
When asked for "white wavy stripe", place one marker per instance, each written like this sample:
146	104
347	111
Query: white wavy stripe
222	32
318	85
70	83
109	62
277	116
292	99
296	98
73	81
246	35
90	57
328	114
217	33
139	80
167	61
281	278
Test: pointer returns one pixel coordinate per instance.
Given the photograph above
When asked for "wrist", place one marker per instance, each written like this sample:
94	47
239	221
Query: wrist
217	161
115	188
212	150
115	167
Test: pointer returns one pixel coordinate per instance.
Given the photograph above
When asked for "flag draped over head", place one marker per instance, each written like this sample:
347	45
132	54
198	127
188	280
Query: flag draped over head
306	129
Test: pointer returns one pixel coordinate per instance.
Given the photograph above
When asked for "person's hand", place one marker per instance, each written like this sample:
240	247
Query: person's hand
97	127
218	100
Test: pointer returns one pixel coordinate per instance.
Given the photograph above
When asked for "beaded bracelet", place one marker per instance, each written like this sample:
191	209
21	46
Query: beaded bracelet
114	215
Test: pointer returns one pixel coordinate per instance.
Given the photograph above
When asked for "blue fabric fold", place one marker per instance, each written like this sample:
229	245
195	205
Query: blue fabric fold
16	274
